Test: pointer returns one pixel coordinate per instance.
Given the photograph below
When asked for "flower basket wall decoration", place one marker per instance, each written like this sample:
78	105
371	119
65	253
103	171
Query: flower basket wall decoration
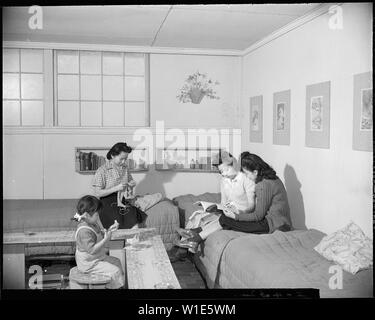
196	87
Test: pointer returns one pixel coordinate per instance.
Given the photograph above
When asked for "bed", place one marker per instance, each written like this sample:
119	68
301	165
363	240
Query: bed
230	259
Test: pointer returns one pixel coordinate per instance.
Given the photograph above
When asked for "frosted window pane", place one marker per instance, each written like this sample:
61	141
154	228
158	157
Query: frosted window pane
32	113
32	86
91	113
68	113
68	87
134	64
31	60
91	88
135	114
11	113
11	60
91	63
113	114
113	88
11	89
134	88
67	62
113	63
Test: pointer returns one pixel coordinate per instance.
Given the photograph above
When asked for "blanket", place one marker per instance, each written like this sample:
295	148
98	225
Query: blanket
230	259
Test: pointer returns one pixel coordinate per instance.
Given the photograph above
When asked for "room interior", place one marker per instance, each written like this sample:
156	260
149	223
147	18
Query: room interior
91	76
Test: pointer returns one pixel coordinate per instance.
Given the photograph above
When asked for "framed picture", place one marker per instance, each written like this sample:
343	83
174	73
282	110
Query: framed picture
362	112
318	115
256	119
281	118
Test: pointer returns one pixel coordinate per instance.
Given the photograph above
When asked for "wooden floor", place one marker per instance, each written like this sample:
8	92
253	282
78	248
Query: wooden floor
187	275
186	272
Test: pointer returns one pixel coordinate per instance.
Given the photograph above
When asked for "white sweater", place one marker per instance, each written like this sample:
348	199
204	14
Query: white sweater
239	190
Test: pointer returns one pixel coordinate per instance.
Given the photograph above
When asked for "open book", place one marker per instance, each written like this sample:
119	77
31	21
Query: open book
212	207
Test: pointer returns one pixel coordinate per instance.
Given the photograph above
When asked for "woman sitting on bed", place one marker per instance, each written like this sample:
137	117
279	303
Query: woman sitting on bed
271	209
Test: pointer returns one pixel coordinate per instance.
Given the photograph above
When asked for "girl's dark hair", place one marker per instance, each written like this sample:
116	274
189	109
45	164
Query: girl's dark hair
251	162
89	204
117	149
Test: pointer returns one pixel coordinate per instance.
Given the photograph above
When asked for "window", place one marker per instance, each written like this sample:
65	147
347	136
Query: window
23	87
44	87
105	89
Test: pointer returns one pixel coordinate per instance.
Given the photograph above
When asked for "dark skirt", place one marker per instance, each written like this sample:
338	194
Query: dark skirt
126	218
257	227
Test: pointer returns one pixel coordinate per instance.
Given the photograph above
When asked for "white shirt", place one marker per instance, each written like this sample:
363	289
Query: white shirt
240	191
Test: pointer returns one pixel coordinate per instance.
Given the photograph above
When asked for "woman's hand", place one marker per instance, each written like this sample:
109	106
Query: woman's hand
132	183
120	187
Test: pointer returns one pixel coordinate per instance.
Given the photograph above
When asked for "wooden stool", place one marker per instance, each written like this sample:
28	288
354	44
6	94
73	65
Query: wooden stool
80	280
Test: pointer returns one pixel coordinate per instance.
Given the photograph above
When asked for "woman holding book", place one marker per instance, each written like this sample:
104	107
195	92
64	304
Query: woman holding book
271	210
110	181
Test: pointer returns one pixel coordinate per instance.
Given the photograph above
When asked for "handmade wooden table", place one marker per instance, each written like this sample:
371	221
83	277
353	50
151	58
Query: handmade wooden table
147	263
14	250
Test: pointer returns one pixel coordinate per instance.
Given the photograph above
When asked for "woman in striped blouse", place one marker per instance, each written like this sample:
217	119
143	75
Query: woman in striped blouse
110	179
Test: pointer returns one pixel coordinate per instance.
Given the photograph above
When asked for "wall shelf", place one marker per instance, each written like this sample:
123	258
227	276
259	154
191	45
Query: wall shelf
180	160
89	159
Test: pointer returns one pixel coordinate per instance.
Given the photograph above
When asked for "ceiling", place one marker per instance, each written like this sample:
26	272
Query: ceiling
220	27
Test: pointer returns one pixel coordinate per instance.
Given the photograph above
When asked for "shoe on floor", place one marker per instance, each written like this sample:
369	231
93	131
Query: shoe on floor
191	245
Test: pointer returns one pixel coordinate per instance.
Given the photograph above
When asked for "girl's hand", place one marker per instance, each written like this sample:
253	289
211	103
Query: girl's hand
107	235
114	227
231	207
230	214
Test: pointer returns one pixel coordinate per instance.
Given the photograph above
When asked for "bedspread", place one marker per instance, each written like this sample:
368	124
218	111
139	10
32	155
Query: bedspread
230	259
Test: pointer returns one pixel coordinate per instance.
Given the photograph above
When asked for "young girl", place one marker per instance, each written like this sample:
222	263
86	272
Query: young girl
92	241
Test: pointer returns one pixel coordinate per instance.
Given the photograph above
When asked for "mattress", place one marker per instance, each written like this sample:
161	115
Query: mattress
230	259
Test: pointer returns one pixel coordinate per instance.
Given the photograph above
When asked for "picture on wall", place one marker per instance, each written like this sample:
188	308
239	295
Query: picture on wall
366	109
317	123
256	119
280	124
281	117
316	113
362	112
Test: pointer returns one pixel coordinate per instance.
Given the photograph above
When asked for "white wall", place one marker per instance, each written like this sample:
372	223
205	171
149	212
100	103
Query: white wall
326	187
41	166
168	74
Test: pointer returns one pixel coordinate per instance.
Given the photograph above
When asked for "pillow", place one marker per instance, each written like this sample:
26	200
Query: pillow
348	247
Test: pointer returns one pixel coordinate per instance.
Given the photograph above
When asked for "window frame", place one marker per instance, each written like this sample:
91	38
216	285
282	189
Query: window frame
20	99
146	77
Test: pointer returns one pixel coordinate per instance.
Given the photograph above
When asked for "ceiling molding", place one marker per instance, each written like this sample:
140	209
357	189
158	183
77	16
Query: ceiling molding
115	131
311	15
118	48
